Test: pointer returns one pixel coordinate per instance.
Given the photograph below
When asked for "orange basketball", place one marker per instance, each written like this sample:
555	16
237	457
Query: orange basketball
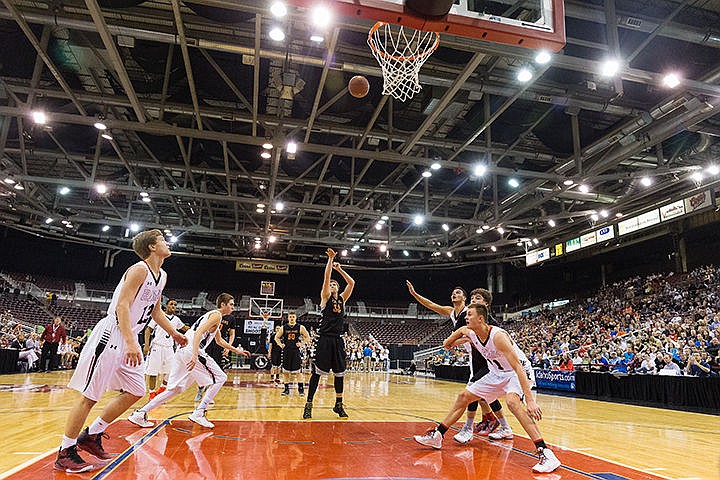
359	86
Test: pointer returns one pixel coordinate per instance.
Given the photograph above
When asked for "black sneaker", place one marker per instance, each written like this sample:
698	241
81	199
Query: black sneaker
301	389
93	444
307	413
286	391
338	408
69	461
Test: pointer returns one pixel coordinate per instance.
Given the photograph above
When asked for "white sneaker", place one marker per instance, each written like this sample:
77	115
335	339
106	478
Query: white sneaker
502	433
139	418
548	461
431	439
200	419
464	435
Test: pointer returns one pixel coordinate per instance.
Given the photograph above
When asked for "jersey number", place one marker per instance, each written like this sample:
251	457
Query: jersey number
146	314
497	364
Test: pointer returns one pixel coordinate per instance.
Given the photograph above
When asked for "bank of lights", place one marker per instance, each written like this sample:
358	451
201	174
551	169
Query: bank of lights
446	227
551	222
321	16
671	80
39	117
101	188
278	9
493	248
646	181
291	147
277	34
524	75
105	228
383	248
543	57
610	68
418	220
479	170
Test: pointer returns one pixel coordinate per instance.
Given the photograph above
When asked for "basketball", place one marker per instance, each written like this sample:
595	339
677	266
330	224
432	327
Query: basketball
359	86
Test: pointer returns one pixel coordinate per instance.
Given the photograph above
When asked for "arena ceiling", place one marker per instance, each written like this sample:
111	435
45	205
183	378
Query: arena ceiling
189	108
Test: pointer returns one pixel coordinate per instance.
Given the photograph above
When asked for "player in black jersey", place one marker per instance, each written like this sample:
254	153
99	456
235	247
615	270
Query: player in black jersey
289	338
457	313
275	352
330	352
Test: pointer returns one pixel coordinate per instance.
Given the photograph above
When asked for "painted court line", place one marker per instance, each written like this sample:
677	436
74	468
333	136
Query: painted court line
27	463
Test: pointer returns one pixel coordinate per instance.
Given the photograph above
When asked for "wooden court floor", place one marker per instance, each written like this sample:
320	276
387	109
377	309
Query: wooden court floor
259	433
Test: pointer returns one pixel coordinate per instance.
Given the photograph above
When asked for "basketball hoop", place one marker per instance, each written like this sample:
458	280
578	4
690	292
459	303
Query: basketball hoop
265	313
401	56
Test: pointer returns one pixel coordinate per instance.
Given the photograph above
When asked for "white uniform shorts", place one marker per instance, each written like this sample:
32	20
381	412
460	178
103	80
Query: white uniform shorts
492	386
159	360
206	371
101	366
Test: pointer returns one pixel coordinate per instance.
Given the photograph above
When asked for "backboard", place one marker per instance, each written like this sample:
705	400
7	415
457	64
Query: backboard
534	24
273	306
267	288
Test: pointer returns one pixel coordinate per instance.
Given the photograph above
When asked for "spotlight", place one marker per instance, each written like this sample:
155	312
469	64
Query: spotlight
697	177
568	182
260	205
594	217
106	136
513	182
383	248
100	126
101	188
316	38
618	215
355	248
343	253
173	239
9	180
646	181
277	34
543	57
501	230
449	254
267	146
279	206
105	228
713	169
478	231
378	226
604	213
671	80
64	190
265	154
446	227
493	248
260	210
278	9
535	241
418	220
479	170
18	186
435	166
524	75
134	227
146	199
584	188
257	246
272	239
291	147
610	68
406	253
427	174
143	194
551	222
48	221
321	16
385	218
39	117
486	227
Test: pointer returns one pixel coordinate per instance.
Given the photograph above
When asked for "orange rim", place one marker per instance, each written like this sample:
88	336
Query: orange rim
377	50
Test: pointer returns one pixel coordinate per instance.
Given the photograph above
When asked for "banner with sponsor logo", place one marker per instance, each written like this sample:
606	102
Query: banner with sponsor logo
628	226
543	255
588	239
672	210
261	266
572	245
558	249
253	327
648	219
698	202
555	379
531	258
605	233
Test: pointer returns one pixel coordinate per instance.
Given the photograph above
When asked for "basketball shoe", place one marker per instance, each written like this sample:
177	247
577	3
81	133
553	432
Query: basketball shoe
464	435
286	391
139	418
502	433
93	444
200	419
340	410
489	427
547	461
307	413
430	439
70	461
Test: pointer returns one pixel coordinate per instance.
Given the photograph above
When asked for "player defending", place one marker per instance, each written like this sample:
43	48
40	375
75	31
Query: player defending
160	350
289	338
478	365
330	352
112	359
506	378
275	352
192	364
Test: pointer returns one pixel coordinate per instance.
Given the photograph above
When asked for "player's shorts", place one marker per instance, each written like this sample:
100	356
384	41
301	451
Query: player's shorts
276	357
330	356
206	370
159	360
493	386
101	366
291	360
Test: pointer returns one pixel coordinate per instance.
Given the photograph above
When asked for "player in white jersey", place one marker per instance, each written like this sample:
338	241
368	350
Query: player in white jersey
506	378
160	350
192	364
112	359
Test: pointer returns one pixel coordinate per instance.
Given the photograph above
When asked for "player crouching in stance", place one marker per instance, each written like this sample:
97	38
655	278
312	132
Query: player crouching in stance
192	364
506	377
111	359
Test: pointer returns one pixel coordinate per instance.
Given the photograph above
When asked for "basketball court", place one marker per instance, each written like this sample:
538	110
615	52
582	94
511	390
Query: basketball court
260	433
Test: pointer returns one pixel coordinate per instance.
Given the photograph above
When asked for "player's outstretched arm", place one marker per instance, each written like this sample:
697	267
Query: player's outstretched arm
427	303
221	341
325	292
350	282
458	337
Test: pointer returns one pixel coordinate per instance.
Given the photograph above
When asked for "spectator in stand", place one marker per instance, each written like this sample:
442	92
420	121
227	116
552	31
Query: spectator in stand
697	367
53	335
670	368
566	364
27	353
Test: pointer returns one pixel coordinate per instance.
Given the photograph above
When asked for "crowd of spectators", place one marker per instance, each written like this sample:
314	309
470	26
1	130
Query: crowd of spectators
662	324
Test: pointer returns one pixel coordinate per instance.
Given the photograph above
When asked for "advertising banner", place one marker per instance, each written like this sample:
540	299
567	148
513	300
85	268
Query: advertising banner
253	327
588	239
605	233
672	210
628	226
555	379
572	245
648	219
260	266
531	258
698	202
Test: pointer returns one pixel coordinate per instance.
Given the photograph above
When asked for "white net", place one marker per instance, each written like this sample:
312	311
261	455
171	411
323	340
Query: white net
401	54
